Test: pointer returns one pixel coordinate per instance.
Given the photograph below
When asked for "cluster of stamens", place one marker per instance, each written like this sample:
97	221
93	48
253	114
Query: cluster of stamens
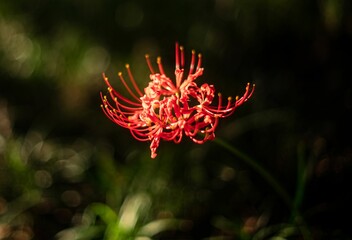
168	111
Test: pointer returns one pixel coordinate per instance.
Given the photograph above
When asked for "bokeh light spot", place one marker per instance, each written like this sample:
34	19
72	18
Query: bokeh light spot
43	178
129	15
96	60
71	198
227	173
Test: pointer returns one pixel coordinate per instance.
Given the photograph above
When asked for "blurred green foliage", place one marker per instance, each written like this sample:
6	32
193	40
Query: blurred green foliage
67	172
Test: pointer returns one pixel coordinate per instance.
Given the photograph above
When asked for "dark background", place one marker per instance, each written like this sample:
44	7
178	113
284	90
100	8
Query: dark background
59	154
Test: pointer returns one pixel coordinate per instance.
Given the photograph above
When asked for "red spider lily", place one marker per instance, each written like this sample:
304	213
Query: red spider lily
168	110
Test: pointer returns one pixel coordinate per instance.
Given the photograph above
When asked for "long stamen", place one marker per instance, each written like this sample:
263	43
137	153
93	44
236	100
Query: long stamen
178	70
177	60
193	59
116	115
199	61
133	80
220	101
149	63
127	87
182	56
229	99
133	107
113	93
160	65
246	95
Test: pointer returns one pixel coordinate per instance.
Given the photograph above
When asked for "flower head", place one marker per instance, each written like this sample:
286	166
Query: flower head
168	110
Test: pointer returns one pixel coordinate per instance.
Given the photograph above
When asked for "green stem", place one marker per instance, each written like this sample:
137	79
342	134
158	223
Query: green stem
262	171
301	180
280	190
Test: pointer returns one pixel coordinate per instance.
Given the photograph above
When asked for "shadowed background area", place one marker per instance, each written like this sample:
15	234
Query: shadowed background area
67	172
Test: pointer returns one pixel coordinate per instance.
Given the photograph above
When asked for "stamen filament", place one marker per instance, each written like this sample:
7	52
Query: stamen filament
127	87
191	67
160	65
149	64
133	80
